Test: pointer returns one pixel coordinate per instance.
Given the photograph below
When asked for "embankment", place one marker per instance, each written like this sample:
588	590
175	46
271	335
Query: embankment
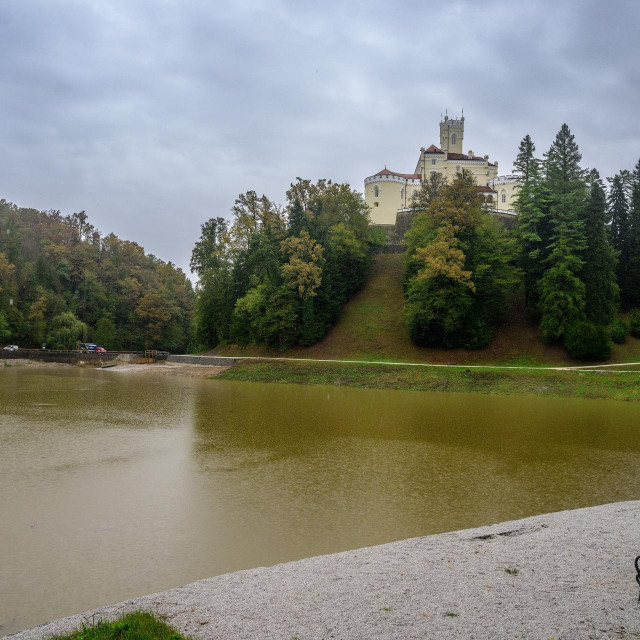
371	326
566	575
606	384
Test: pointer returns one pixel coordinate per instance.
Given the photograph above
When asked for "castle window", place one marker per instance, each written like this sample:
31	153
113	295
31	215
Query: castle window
375	204
458	169
376	192
433	161
402	192
433	173
414	195
504	196
454	138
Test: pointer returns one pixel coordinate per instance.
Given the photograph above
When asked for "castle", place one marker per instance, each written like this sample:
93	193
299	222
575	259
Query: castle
388	192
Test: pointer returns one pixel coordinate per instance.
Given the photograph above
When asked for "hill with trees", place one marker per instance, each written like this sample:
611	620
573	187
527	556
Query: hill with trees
62	281
279	276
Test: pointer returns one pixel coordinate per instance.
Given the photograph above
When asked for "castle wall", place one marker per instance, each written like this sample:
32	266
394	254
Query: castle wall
393	193
507	188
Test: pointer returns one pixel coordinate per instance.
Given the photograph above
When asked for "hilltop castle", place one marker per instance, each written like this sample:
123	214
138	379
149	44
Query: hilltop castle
388	192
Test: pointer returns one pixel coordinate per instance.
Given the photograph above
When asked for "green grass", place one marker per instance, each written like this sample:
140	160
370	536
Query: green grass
590	384
512	572
139	625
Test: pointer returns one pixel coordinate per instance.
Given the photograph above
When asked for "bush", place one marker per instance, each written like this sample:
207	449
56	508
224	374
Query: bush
618	331
634	323
587	341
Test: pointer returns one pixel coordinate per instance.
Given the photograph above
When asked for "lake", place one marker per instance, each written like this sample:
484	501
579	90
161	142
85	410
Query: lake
114	484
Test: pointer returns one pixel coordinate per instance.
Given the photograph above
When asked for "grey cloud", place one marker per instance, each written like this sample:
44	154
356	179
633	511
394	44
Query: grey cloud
153	115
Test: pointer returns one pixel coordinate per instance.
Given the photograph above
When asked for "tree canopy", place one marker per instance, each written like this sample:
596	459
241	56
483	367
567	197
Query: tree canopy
62	280
279	276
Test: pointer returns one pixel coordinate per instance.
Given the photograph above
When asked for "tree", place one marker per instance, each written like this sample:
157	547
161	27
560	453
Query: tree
599	268
430	189
65	331
459	270
154	310
532	226
105	334
526	165
302	272
562	292
5	329
630	278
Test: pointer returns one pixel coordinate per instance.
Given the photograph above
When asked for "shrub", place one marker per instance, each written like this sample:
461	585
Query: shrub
587	341
634	323
618	331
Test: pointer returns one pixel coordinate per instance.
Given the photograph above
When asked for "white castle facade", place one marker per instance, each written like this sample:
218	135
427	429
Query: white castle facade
388	192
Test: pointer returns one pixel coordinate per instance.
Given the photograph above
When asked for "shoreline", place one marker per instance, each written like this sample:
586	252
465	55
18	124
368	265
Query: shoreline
564	575
568	383
589	382
157	368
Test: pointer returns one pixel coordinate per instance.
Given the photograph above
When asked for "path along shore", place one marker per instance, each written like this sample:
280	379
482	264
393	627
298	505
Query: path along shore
561	576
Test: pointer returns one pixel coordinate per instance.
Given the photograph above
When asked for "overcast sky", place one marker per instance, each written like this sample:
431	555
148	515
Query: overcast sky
153	115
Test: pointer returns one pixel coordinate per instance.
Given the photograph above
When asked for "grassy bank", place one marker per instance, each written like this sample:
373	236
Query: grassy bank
614	385
372	327
139	625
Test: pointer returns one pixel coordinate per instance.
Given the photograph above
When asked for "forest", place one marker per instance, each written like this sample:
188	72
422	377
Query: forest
62	281
279	276
575	251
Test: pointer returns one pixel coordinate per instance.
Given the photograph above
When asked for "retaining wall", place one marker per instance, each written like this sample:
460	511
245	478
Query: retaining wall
72	357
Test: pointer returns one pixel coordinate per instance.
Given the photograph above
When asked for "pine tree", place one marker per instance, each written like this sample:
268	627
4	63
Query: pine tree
525	163
531	204
562	301
618	211
562	162
630	284
599	269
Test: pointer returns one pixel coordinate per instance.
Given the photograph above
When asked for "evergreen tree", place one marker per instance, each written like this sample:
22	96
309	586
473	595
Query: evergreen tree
599	269
562	301
525	163
532	225
630	284
618	212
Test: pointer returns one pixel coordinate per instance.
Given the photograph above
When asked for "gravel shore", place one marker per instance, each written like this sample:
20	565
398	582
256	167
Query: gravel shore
566	575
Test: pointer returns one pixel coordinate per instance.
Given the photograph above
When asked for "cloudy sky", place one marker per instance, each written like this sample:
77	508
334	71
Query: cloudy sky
152	115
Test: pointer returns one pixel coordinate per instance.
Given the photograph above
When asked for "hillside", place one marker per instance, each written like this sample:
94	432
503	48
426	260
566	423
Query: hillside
372	327
62	281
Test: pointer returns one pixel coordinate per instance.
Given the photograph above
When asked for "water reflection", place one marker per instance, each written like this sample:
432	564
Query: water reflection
115	485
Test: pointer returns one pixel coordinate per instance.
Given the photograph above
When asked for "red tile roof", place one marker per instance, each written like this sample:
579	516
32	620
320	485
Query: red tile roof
461	156
484	189
408	176
434	149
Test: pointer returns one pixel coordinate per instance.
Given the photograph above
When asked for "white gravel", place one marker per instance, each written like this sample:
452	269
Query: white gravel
575	579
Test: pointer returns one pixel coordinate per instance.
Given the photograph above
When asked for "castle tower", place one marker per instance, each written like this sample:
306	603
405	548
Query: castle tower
451	134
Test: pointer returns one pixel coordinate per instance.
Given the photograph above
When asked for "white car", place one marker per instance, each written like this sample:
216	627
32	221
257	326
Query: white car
11	347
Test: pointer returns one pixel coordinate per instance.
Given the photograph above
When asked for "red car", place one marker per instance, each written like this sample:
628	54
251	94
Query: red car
100	349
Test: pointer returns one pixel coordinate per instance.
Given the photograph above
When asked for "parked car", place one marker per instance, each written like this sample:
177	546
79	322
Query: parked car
11	347
89	346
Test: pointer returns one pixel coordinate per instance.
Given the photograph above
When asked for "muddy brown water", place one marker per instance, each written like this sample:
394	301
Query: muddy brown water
114	485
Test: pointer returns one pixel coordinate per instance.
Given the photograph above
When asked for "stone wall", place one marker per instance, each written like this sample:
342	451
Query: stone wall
73	357
396	232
